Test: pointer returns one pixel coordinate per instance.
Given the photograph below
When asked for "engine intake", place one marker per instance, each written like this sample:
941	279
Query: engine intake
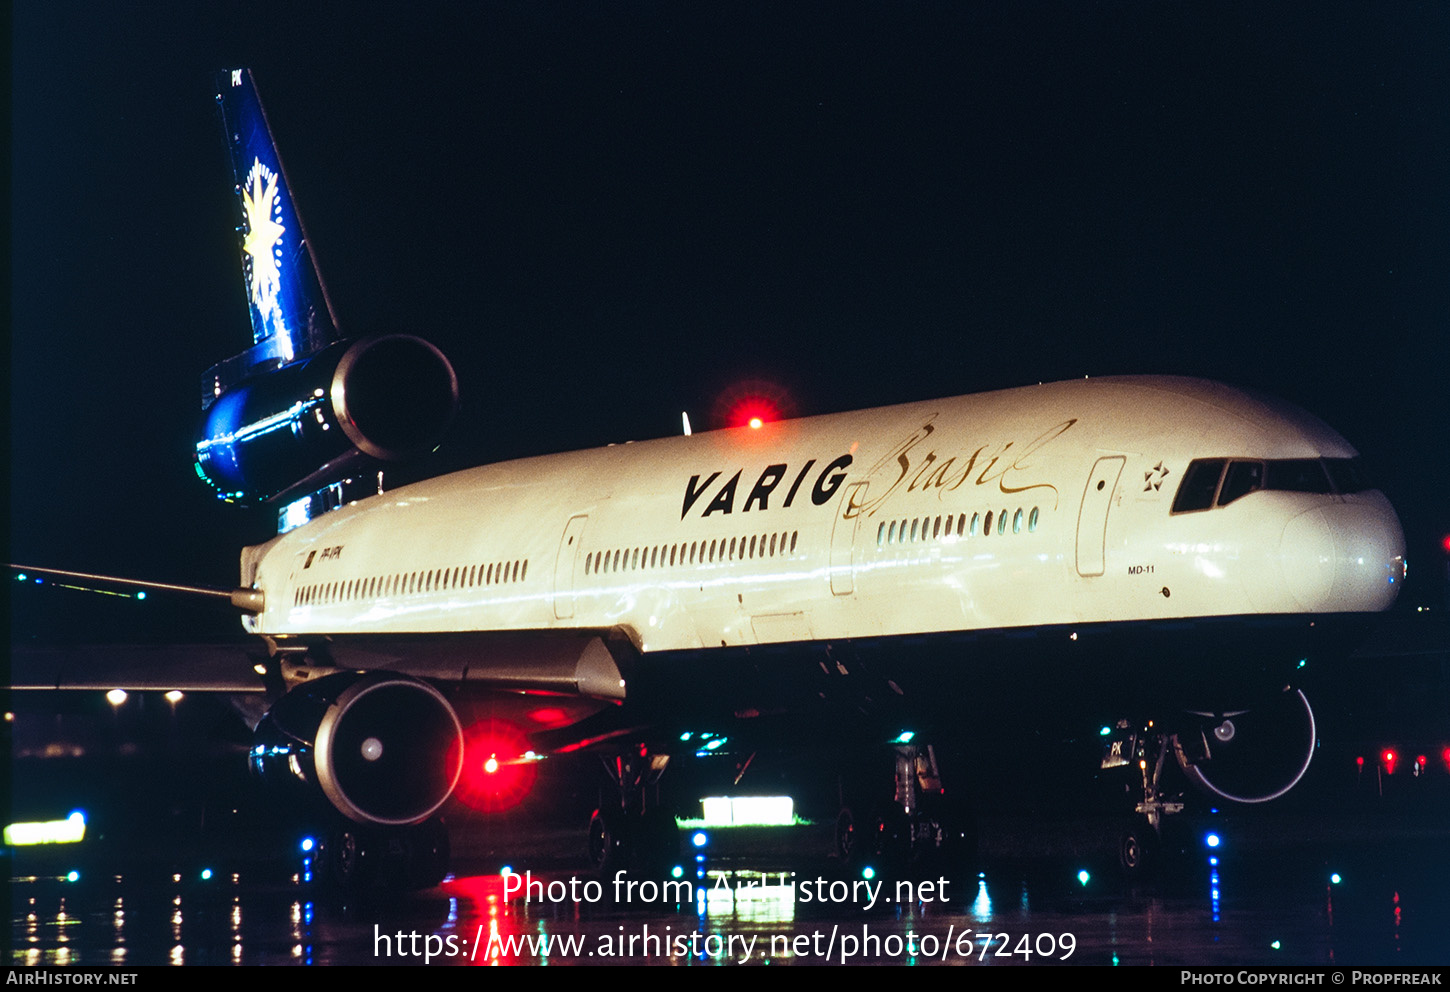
386	398
379	747
1253	755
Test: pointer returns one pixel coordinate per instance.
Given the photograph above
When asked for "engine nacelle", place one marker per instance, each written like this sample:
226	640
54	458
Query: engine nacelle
1253	755
385	398
379	747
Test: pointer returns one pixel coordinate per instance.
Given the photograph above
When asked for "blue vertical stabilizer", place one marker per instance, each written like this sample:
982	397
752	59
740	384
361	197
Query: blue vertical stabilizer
291	315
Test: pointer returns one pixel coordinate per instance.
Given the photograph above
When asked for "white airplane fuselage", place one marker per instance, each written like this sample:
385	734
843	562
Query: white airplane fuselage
1043	505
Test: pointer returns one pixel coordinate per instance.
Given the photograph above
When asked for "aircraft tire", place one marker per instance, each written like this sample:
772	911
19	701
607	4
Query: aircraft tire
608	844
1137	850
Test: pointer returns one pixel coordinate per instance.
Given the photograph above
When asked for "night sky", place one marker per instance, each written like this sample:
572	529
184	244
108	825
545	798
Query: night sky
606	213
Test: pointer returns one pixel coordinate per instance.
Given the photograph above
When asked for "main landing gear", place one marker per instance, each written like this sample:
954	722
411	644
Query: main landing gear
920	830
632	829
353	857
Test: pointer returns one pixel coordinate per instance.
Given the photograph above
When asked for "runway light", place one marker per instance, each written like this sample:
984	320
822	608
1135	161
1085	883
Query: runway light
1105	731
1212	840
1275	945
73	876
1335	878
700	839
174	696
116	697
308	844
868	873
904	737
206	874
678	871
1083	877
1389	758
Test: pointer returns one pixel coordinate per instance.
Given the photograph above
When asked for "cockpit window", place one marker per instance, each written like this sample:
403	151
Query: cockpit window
1297	475
1347	474
1242	479
1243	476
1200	484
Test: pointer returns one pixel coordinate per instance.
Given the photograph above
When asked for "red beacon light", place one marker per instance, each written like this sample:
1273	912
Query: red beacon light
754	413
1389	758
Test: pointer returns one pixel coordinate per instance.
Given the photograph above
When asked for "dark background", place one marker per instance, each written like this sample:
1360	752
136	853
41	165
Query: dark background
606	213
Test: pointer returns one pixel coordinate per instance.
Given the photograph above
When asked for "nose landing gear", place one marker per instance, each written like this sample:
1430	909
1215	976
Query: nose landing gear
1246	756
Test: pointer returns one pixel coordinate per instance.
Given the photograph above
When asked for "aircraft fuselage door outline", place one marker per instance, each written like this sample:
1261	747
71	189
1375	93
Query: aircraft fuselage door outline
843	540
1092	518
565	564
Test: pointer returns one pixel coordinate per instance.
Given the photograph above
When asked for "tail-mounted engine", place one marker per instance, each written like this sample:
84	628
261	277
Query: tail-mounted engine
379	747
301	426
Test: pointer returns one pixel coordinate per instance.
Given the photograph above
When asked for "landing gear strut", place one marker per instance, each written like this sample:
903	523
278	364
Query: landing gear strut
920	829
1141	840
633	830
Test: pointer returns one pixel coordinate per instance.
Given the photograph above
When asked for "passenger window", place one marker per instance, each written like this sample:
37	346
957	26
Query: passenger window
986	525
793	535
1017	521
1002	523
1032	520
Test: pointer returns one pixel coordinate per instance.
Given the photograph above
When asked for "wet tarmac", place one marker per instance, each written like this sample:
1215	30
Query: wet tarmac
184	861
1349	890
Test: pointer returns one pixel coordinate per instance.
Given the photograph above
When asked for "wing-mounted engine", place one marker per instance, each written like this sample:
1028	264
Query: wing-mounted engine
380	748
1253	755
349	407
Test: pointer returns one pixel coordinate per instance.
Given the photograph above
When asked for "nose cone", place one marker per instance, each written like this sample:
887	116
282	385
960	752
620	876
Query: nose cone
1347	557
